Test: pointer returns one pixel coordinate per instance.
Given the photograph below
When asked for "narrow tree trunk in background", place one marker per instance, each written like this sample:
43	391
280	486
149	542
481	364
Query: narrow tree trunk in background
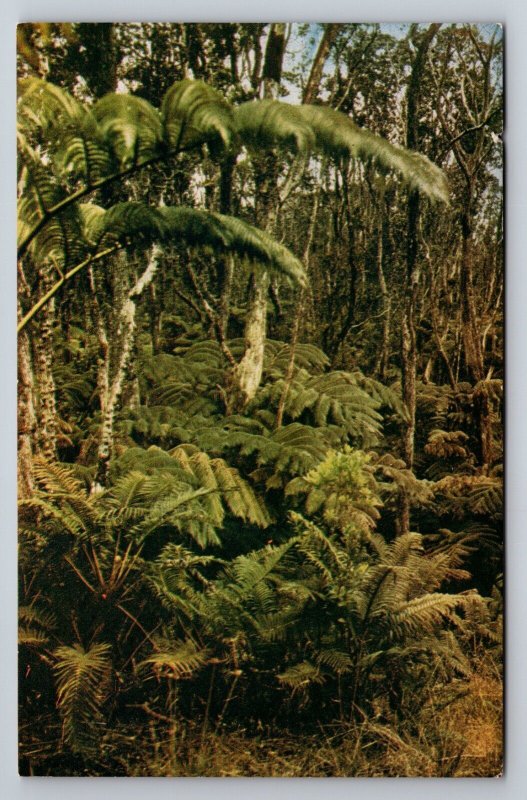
381	367
155	314
98	56
408	327
315	76
471	338
274	56
226	263
288	378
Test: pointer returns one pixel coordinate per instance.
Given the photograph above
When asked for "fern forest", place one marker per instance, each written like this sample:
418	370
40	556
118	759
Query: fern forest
260	395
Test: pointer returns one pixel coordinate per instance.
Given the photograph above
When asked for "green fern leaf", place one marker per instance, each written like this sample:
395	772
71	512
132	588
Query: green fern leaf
83	679
193	114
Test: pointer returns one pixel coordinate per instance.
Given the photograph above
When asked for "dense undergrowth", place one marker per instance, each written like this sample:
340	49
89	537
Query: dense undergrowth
232	590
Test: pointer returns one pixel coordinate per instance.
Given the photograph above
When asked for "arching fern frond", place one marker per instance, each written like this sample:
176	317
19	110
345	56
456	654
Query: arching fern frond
225	234
306	127
46	107
194	113
131	127
123	222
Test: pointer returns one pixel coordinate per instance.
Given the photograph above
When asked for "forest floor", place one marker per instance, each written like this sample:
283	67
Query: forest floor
464	739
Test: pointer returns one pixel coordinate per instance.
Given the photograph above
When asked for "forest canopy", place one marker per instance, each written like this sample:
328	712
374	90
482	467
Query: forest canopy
260	398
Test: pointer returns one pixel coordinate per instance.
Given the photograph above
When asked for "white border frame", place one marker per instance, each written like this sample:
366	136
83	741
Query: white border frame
513	14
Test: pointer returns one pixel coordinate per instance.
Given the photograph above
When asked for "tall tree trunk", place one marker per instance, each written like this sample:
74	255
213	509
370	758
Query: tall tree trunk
471	336
408	327
225	264
98	56
27	418
381	366
115	386
45	381
248	374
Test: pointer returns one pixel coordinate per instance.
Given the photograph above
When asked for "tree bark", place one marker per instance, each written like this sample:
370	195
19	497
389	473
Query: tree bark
408	327
27	419
315	75
247	375
114	386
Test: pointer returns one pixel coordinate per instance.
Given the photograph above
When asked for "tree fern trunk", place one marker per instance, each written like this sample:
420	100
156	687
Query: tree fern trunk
248	373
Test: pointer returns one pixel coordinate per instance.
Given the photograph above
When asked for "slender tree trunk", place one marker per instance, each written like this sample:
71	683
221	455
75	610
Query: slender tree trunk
381	367
248	374
226	264
115	386
27	419
471	337
408	327
47	405
315	75
297	320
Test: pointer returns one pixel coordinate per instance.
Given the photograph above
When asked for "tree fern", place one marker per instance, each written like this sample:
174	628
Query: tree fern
34	626
209	485
224	234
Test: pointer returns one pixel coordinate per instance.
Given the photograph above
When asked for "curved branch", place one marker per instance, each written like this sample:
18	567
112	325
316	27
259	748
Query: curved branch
66	277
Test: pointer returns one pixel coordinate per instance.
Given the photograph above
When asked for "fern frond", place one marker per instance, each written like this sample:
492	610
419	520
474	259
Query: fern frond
175	658
301	676
83	679
122	222
131	127
47	107
193	114
225	234
306	127
34	626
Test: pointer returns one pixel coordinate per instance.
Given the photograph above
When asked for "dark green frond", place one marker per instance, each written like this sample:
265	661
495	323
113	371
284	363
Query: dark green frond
194	113
305	128
224	234
131	127
337	135
44	106
123	222
266	122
